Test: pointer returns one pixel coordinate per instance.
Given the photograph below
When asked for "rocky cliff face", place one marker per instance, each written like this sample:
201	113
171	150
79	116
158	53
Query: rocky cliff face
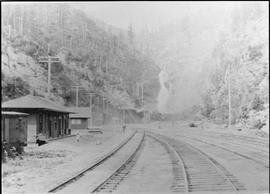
90	56
16	64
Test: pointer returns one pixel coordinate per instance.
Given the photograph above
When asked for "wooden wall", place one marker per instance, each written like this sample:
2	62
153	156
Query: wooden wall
4	129
52	124
14	129
49	123
83	125
31	128
17	129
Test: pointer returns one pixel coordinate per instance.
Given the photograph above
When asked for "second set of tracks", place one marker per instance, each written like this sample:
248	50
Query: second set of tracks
196	171
192	169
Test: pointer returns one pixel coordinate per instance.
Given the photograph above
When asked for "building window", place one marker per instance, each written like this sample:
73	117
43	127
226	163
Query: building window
40	124
76	121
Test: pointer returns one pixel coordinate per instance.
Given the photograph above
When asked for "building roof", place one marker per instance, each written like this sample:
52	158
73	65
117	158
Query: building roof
34	102
13	113
80	112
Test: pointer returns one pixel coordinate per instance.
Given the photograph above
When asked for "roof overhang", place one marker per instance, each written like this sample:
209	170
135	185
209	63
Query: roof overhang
13	113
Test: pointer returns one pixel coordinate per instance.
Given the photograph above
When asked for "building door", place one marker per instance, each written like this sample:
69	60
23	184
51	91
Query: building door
2	129
40	123
55	128
50	127
31	128
7	129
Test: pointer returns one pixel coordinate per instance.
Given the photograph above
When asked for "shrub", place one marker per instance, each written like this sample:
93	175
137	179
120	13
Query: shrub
192	125
14	87
257	104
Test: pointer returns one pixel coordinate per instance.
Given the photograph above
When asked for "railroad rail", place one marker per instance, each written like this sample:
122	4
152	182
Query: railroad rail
246	156
258	141
247	140
202	172
180	178
249	145
92	165
111	183
240	138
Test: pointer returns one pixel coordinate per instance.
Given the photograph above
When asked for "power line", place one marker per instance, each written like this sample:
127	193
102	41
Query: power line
49	60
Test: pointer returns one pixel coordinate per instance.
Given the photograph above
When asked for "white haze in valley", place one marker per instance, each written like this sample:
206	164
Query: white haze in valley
184	57
180	49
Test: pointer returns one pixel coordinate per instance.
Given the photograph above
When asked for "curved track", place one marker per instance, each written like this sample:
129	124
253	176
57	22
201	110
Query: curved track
202	172
193	170
91	166
258	160
251	142
180	178
111	183
247	139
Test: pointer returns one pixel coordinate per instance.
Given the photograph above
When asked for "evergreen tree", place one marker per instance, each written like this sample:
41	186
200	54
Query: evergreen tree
130	35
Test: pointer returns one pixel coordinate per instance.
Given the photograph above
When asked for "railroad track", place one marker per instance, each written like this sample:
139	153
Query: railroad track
92	166
111	183
246	139
179	173
239	138
198	171
248	145
258	158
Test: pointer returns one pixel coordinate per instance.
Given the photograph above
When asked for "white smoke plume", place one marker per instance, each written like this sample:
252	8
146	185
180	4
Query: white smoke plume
164	92
178	92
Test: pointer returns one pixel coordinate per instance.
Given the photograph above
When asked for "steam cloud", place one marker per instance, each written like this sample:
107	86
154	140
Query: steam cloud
164	92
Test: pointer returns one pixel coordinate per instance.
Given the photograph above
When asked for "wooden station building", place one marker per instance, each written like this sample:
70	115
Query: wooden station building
44	117
81	118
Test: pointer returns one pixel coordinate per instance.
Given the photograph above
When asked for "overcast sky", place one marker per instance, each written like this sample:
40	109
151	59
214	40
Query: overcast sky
149	14
142	14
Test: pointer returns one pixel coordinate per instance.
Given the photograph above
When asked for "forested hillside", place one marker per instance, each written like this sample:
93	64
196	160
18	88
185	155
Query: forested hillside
182	50
93	56
246	49
197	52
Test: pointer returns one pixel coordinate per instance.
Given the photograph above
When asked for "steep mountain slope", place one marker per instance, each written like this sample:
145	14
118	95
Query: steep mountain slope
90	56
196	53
181	50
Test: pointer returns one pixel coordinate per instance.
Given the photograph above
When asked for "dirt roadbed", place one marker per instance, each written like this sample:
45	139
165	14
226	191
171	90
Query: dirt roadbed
45	166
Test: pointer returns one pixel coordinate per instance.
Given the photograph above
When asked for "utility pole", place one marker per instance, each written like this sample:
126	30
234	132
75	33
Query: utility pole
140	92
142	86
49	60
77	96
91	107
229	95
103	109
124	115
106	65
108	107
142	95
103	104
228	77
